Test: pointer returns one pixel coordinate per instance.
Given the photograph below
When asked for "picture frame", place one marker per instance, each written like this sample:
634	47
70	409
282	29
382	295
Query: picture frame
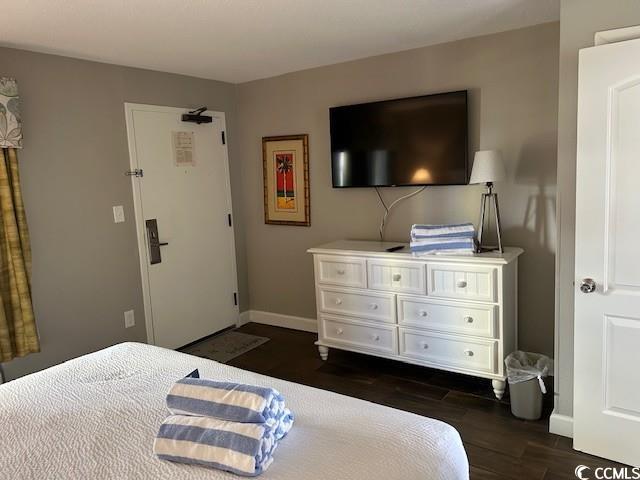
285	164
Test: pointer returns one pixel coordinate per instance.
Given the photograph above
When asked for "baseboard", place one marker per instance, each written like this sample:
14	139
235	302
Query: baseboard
244	317
279	320
561	424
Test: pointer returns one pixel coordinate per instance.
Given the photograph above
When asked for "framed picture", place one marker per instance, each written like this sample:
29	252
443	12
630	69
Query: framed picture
285	162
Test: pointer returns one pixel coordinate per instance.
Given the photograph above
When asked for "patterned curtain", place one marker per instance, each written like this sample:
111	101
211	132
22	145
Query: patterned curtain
18	335
10	118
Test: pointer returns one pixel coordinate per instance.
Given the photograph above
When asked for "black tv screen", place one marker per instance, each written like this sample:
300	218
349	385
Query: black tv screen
408	141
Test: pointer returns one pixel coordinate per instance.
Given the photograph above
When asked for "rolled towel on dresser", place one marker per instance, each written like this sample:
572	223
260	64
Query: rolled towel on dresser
435	243
443	245
466	230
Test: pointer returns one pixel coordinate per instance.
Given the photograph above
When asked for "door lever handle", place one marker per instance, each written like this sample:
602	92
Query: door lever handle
154	243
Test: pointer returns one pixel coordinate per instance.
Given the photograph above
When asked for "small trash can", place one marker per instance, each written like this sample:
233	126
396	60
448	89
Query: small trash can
525	373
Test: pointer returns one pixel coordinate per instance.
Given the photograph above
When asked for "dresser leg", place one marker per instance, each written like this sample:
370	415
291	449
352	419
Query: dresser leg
324	352
499	387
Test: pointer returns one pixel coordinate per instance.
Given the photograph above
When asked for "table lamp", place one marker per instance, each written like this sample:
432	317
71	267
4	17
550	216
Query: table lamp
488	168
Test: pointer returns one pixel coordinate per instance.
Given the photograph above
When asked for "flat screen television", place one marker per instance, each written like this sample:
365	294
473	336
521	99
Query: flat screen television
407	141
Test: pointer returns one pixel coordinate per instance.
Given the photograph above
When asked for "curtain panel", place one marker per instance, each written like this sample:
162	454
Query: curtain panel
18	334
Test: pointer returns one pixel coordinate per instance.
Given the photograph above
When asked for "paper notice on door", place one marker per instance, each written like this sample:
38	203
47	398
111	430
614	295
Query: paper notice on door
184	149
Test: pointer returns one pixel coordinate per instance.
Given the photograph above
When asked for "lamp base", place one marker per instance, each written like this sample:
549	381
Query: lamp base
485	249
489	197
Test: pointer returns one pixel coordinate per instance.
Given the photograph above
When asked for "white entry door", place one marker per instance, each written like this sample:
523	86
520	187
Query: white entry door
187	255
607	298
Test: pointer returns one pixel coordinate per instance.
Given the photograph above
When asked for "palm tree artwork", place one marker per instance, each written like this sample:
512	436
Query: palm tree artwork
284	166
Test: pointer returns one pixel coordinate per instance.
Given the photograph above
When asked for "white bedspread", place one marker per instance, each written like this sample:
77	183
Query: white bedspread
95	417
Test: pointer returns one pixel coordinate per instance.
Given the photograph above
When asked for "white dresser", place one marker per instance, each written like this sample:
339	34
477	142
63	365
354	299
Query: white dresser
456	313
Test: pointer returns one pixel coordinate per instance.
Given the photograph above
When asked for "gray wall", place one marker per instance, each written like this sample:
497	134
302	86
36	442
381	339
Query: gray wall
513	83
85	267
579	20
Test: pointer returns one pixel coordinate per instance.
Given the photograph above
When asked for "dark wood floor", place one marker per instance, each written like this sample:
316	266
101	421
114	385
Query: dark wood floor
499	445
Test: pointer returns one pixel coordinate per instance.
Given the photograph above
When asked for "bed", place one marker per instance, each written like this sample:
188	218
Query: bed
95	417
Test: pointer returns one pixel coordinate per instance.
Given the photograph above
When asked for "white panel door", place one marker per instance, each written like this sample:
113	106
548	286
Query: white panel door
191	292
607	319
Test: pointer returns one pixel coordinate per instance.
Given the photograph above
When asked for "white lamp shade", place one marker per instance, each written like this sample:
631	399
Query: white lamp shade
488	167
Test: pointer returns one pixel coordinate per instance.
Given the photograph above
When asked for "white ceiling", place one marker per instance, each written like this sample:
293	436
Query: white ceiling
242	40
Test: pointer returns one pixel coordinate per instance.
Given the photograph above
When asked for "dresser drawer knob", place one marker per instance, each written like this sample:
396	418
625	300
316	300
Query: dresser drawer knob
373	306
339	331
396	277
340	272
425	345
468	319
468	353
376	338
461	283
423	313
338	301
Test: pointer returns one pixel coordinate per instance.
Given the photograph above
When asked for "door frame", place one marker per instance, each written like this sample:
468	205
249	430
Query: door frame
143	253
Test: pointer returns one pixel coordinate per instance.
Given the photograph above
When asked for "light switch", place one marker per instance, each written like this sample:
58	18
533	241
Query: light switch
129	319
118	214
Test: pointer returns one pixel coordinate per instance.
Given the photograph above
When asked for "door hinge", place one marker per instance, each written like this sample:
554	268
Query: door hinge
235	298
229	219
134	173
224	139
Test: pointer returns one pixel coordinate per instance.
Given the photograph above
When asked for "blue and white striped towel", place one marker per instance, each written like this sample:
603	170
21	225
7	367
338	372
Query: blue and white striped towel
233	402
443	246
461	230
241	448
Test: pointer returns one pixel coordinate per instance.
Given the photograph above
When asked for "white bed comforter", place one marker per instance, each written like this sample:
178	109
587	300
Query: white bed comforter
95	417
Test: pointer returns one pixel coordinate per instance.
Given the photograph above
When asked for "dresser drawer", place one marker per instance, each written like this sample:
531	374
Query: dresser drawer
404	277
477	355
343	332
380	307
339	270
464	318
471	282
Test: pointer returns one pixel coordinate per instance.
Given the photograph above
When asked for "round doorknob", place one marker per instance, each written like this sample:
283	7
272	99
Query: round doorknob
340	272
468	353
375	338
338	301
425	345
396	277
469	319
373	306
423	313
588	285
461	283
339	331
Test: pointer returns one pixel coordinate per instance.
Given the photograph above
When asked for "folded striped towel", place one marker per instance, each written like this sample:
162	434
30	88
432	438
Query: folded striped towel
443	246
233	402
241	448
461	230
